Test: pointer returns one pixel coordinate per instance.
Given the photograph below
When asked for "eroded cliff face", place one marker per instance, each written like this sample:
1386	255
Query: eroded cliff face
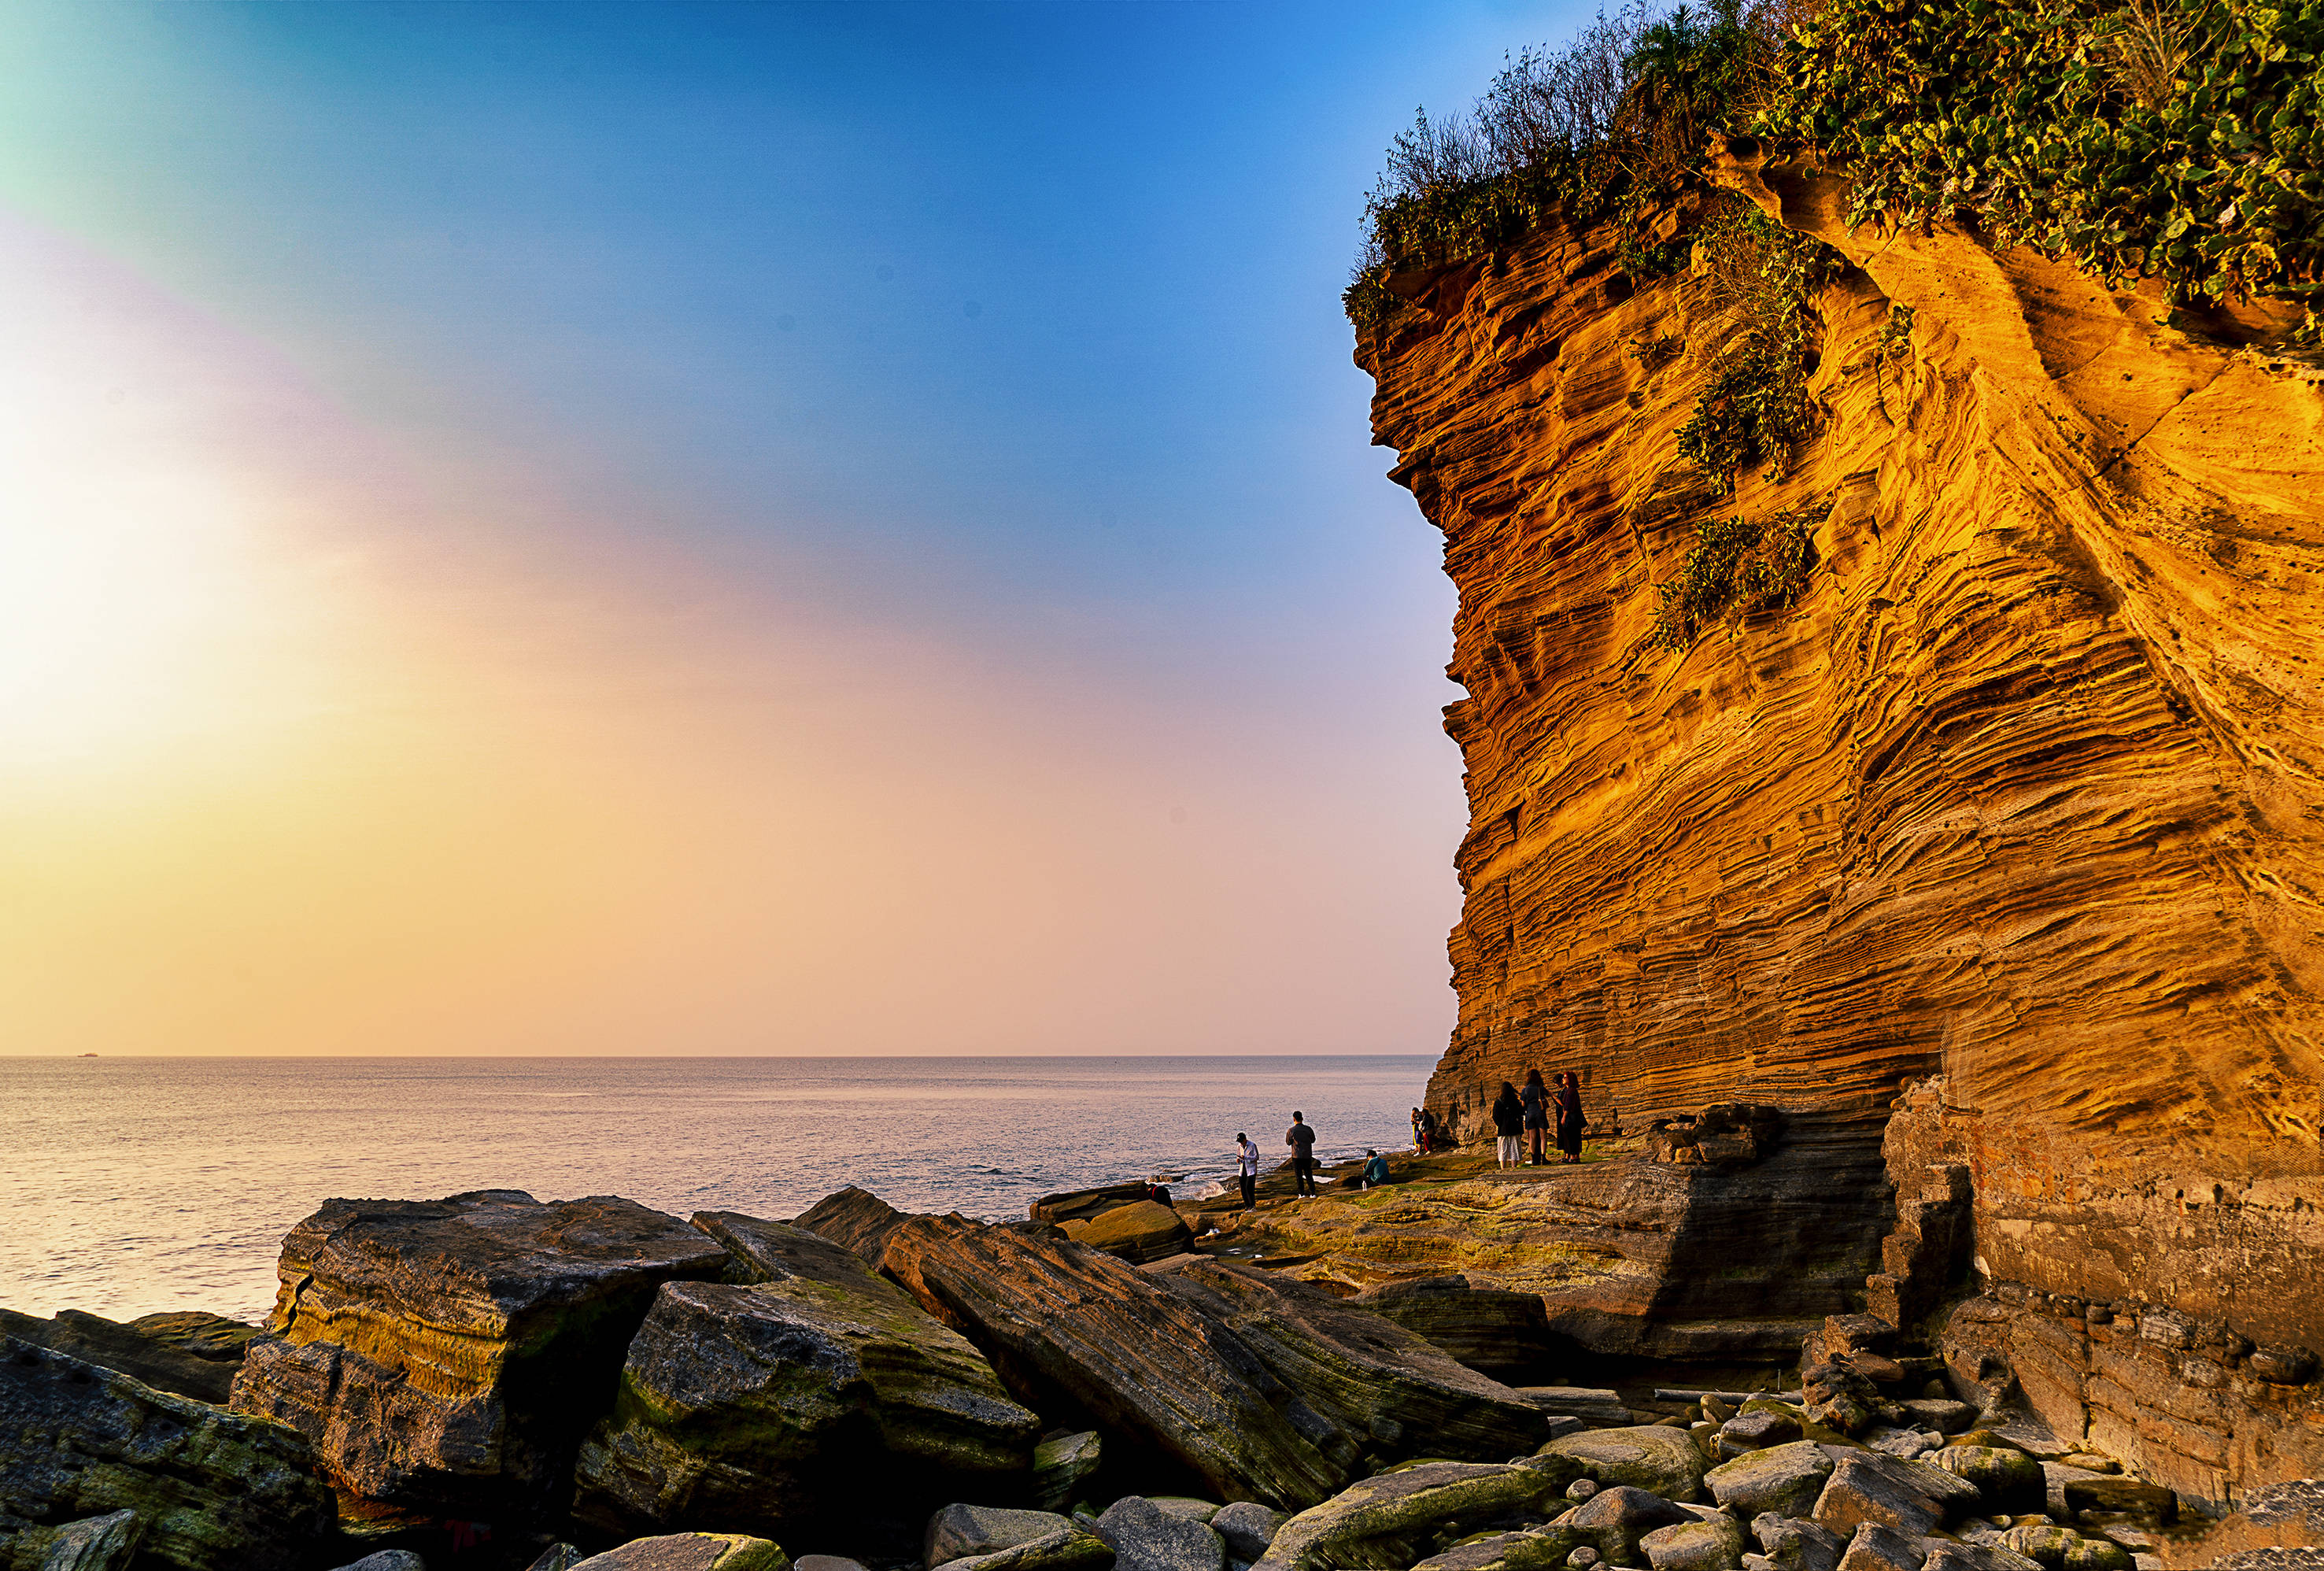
2022	802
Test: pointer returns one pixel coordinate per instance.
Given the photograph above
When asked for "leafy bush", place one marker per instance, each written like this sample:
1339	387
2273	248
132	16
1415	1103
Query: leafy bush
1757	407
2177	139
1739	565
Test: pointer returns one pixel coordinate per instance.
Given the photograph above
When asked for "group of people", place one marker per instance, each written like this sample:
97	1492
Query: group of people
1533	1115
1301	1138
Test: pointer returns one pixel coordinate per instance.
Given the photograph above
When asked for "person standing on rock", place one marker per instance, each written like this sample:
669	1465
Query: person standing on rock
1508	1125
1301	1139
1535	1101
1570	1118
1247	1168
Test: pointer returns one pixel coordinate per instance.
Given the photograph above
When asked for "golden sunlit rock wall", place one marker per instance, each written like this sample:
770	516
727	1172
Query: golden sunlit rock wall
2023	800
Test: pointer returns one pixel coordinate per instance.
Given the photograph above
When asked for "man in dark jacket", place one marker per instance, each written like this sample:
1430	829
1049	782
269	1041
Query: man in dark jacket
1302	1141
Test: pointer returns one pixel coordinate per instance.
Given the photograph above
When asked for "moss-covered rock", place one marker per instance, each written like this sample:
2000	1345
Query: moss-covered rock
823	1396
1656	1458
691	1552
215	1491
1393	1519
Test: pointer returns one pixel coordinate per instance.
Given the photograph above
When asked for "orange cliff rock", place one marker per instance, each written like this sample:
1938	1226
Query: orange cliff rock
2023	800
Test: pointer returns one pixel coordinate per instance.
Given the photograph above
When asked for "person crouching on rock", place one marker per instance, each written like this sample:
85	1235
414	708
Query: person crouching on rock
1247	1168
1375	1171
1535	1099
1570	1118
1302	1141
1508	1125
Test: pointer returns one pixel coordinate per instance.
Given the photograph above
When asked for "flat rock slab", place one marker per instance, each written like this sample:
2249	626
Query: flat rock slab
1266	1388
1060	1466
1073	1549
126	1350
855	1219
796	1403
445	1356
1913	1498
1786	1480
1383	1519
1516	1551
1656	1458
1146	1537
1795	1543
691	1552
959	1531
1141	1232
216	1491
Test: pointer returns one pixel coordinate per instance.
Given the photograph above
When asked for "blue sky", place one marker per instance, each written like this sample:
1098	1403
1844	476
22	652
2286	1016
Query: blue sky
1009	332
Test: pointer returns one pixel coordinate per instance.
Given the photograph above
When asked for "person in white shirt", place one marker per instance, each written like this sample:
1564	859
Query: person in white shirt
1247	1168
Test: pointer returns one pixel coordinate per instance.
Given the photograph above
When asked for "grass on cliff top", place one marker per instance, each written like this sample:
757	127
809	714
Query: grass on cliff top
2177	140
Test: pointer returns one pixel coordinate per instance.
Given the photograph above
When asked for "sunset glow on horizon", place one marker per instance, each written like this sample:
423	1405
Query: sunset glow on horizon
497	590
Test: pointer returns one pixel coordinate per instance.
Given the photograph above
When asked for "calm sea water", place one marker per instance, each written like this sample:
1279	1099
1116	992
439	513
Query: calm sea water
134	1185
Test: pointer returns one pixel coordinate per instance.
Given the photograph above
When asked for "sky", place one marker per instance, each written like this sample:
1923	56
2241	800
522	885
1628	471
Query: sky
713	529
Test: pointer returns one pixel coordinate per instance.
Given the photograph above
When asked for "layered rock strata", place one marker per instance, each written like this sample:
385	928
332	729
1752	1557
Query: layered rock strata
817	1393
1263	1388
210	1490
2023	799
445	1357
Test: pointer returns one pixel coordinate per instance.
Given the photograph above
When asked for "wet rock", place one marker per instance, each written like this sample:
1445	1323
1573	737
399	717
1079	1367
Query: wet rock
1784	1480
445	1356
126	1351
1060	1466
105	1543
1710	1544
2150	1505
816	1395
1664	1461
1839	1398
1494	1330
1142	1231
1073	1549
1268	1389
1875	1548
2007	1481
691	1552
1145	1537
1796	1544
1247	1528
216	1491
959	1531
1395	1514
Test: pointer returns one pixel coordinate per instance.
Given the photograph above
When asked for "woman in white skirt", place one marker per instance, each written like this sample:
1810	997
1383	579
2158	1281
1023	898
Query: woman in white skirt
1508	1125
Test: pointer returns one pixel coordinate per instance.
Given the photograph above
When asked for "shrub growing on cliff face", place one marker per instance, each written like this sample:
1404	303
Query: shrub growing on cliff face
1757	407
2178	139
1739	565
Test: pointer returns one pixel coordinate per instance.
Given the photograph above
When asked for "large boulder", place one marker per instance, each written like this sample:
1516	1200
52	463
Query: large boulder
1070	1550
1781	1479
1060	1467
1139	1231
445	1356
213	1490
1266	1388
1623	1515
1084	1205
1393	1519
816	1396
1247	1528
159	1362
1793	1544
855	1219
1494	1330
958	1531
1145	1535
1656	1458
691	1552
2009	1482
1911	1497
1712	1543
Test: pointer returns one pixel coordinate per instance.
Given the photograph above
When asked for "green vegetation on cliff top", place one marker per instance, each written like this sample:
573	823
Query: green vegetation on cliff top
2180	140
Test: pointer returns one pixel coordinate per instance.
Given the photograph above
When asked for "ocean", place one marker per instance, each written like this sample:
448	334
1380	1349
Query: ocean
129	1185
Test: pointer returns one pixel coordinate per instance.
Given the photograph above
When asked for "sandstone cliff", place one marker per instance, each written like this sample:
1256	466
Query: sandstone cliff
2022	800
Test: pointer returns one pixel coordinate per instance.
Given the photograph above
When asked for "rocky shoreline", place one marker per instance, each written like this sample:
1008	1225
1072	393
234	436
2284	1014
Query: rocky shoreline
1453	1372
